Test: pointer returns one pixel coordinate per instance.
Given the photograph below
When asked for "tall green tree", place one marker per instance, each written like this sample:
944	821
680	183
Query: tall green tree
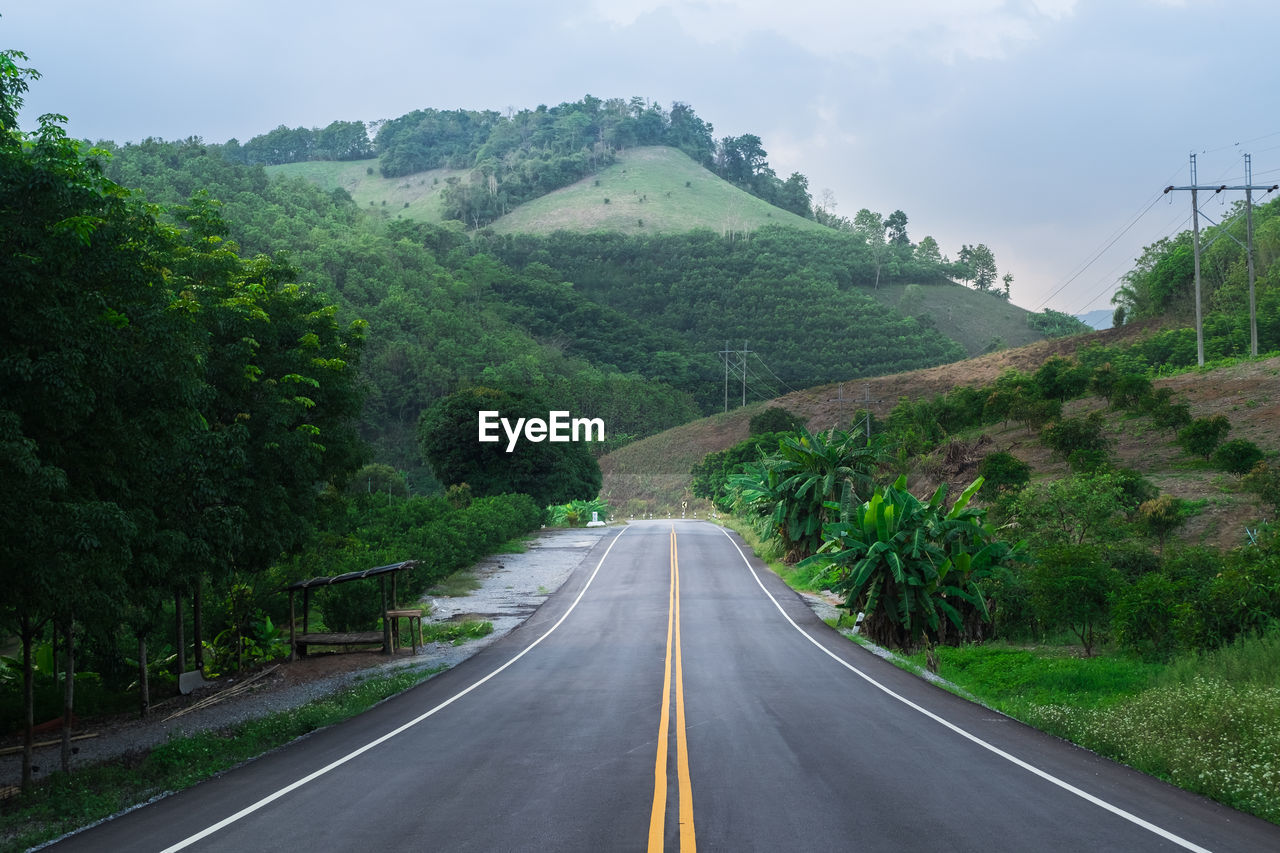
872	228
979	263
549	472
99	381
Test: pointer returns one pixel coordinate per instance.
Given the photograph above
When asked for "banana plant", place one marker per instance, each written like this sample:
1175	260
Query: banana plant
908	565
793	489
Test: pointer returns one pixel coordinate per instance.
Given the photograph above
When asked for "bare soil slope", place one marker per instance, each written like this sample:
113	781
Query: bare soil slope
653	475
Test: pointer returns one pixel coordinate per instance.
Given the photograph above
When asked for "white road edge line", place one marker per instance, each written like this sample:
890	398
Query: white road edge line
1066	786
270	798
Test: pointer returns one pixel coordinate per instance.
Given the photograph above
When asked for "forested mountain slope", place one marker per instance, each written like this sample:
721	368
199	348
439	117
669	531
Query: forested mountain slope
602	253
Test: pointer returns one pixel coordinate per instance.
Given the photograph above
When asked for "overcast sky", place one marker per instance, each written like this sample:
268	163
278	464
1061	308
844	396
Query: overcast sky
1043	128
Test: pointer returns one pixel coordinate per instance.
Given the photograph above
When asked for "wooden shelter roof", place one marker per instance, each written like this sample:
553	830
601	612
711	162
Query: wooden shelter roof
353	576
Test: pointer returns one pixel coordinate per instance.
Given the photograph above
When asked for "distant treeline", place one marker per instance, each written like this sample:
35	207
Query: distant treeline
519	156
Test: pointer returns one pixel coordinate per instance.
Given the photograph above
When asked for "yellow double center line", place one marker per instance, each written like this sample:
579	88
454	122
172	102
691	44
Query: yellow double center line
658	815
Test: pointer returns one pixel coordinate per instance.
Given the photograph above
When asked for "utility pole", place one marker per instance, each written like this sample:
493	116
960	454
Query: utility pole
1248	231
724	353
743	353
1195	231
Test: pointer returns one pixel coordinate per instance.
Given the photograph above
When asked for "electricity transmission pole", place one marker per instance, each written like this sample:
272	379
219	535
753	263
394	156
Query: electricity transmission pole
1195	231
743	353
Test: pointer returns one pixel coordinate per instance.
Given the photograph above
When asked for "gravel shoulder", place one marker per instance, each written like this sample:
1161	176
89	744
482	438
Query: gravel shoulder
512	587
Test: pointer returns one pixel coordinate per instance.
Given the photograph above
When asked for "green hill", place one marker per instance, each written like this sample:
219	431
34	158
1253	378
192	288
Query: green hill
649	190
659	190
979	322
414	197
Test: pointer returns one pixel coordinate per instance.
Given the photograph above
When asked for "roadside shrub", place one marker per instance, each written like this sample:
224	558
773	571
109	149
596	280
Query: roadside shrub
1238	456
710	477
1152	618
1008	596
354	606
1071	587
1242	591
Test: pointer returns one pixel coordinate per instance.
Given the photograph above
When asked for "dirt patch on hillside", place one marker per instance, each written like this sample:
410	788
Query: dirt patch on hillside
655	472
836	404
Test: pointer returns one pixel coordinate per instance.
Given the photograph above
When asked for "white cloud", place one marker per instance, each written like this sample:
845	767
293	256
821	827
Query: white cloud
941	29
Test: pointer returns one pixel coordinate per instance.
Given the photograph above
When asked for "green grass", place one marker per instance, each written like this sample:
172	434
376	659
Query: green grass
514	546
1010	678
965	315
386	196
456	633
649	190
1206	723
68	801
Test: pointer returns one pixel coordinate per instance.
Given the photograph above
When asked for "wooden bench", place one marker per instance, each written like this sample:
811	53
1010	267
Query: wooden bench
348	638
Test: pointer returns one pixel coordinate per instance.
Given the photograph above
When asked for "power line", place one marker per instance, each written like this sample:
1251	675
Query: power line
1113	278
775	376
1101	251
1195	226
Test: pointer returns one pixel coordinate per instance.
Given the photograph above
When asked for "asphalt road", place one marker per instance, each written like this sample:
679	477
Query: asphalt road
675	694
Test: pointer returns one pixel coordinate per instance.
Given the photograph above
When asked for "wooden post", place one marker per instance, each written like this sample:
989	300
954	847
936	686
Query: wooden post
306	616
27	628
386	621
68	693
179	634
144	689
197	623
293	643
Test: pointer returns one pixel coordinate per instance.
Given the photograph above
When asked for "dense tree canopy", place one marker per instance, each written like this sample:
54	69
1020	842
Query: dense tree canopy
166	406
549	471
